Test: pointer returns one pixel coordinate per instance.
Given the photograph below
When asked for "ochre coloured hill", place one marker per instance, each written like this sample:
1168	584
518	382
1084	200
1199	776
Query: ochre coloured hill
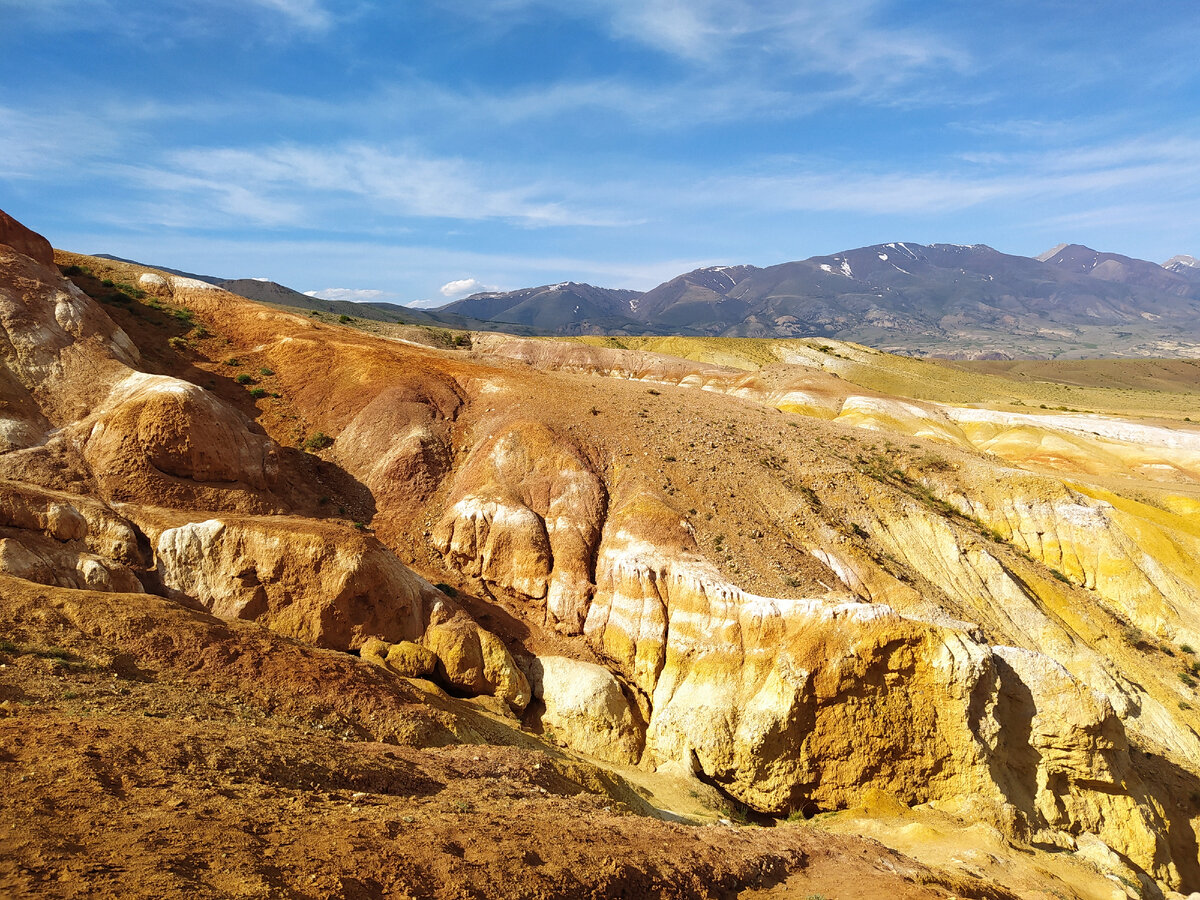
758	575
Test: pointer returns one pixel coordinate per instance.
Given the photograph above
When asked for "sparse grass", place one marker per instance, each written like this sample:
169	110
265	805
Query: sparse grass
1059	575
233	361
319	440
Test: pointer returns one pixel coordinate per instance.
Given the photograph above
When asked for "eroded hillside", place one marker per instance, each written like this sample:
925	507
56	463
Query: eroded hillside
607	580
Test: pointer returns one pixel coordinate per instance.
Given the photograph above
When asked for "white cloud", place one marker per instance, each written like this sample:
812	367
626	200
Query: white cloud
464	287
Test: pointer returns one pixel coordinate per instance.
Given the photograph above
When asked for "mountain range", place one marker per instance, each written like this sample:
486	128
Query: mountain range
951	300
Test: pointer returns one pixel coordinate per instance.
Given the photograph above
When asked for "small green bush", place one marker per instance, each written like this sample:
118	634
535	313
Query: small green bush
318	441
1186	648
344	319
264	370
233	361
258	393
244	379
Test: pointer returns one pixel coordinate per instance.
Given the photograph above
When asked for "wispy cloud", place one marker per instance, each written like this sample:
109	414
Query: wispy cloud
129	19
308	14
1151	166
852	40
281	184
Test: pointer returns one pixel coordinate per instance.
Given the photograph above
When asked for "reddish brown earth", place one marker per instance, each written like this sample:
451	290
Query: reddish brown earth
153	751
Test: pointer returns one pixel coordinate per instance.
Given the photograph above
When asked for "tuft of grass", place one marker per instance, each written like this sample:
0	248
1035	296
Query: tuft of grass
233	361
318	440
265	370
244	379
258	393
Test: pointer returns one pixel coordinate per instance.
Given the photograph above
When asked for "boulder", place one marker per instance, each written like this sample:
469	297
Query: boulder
411	660
586	708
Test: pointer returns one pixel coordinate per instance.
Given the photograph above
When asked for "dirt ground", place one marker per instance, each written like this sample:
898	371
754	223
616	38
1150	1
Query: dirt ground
132	767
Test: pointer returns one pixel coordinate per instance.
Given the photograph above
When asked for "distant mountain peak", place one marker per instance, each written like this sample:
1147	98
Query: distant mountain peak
1175	263
1051	253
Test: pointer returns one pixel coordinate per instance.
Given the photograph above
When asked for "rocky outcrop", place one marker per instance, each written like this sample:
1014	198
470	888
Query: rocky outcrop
60	352
331	587
57	539
525	515
789	704
25	241
159	437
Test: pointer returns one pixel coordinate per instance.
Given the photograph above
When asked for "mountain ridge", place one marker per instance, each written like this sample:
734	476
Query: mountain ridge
941	299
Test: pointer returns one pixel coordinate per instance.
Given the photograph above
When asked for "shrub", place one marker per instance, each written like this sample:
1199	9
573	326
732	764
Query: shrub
258	393
318	441
344	319
1186	648
264	370
244	379
177	343
233	361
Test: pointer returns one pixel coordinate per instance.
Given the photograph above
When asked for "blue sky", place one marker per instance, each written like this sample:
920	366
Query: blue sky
406	147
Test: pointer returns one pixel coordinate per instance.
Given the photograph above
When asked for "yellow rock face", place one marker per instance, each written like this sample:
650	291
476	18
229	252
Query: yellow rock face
585	707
